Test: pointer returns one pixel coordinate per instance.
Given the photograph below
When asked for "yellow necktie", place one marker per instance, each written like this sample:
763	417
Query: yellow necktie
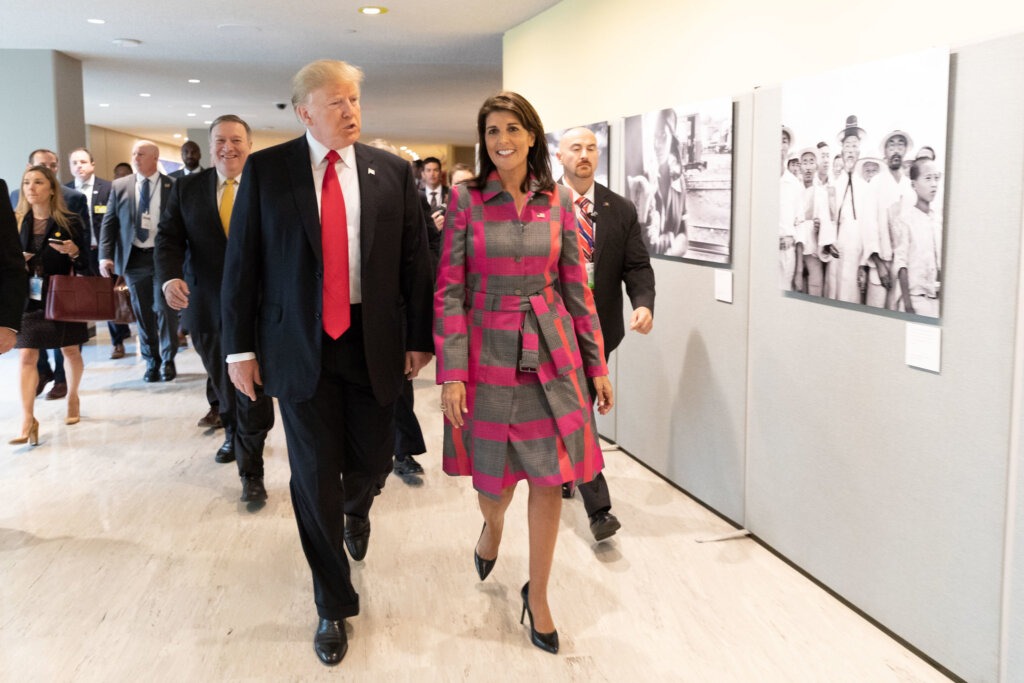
227	201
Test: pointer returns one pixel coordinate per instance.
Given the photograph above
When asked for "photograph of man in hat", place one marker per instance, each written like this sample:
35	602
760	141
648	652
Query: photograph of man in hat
893	195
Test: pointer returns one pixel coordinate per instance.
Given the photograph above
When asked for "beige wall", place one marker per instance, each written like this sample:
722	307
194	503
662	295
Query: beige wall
110	147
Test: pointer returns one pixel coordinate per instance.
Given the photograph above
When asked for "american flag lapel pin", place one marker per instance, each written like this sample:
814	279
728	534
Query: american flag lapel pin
370	171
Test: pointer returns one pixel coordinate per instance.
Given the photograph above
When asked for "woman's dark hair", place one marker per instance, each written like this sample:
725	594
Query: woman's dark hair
537	161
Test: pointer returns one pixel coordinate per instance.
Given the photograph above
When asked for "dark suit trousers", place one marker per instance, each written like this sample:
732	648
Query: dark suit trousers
340	444
118	332
247	421
596	497
408	435
158	322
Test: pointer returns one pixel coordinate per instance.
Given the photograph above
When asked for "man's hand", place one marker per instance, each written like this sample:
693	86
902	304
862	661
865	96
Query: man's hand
7	339
245	375
106	268
176	292
642	320
439	220
414	362
603	389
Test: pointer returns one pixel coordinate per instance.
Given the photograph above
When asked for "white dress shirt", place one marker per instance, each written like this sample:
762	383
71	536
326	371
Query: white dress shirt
154	208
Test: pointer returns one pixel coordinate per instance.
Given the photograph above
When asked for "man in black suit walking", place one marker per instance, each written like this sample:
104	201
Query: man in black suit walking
127	239
327	300
194	228
97	193
13	278
616	254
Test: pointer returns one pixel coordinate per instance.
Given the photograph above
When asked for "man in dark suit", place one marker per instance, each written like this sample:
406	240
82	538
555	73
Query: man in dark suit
127	238
327	299
193	228
97	192
190	156
76	203
13	278
616	254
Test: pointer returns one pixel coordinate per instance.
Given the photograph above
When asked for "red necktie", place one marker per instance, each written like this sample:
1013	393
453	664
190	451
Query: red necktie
334	236
586	224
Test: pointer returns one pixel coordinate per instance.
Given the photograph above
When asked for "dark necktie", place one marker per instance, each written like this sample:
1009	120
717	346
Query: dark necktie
433	199
142	234
334	239
853	205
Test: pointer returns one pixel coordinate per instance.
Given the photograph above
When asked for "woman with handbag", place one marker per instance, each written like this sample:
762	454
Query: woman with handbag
54	242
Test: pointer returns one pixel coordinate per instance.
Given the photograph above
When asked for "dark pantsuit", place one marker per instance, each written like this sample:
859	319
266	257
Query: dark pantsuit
158	322
340	444
408	435
245	420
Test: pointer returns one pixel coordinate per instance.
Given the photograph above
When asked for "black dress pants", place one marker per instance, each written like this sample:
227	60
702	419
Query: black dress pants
157	321
340	444
247	421
408	435
596	497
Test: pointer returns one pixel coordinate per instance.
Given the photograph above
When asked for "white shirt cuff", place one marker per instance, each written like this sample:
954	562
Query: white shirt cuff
239	357
163	287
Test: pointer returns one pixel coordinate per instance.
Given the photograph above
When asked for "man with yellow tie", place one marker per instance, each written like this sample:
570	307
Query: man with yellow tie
194	229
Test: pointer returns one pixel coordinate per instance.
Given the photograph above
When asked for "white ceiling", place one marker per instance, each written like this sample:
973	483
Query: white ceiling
428	66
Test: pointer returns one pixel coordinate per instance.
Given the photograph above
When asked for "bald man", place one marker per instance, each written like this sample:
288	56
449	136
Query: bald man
615	253
127	239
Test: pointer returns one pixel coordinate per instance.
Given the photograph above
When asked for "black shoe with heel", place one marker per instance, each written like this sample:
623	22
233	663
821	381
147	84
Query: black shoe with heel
545	641
483	567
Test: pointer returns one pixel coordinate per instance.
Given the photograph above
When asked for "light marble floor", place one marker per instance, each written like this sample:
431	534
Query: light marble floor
125	556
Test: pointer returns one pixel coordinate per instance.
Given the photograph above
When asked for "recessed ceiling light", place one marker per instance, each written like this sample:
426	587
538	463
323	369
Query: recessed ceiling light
206	106
193	80
144	94
191	113
126	42
372	10
96	21
177	135
207	123
104	104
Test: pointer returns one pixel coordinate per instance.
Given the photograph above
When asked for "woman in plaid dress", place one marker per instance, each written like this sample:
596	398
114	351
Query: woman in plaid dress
517	336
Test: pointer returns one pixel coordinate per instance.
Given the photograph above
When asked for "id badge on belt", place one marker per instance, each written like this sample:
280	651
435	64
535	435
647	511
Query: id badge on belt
35	288
590	274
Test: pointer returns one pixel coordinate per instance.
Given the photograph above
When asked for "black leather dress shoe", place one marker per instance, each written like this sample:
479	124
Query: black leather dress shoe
568	490
406	466
357	536
253	489
211	420
44	379
330	641
604	525
168	371
152	373
226	452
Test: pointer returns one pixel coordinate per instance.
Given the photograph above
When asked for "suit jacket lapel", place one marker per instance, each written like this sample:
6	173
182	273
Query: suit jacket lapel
369	191
300	174
604	209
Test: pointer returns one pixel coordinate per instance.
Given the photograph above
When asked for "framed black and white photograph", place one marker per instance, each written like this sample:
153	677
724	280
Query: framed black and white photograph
600	131
678	165
863	154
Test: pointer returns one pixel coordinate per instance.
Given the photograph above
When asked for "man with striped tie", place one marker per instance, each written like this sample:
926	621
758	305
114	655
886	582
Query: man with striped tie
194	228
615	253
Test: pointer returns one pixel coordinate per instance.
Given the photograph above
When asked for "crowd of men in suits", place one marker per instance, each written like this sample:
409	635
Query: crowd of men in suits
305	272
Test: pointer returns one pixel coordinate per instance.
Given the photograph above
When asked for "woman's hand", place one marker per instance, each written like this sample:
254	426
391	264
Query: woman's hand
453	403
66	247
603	389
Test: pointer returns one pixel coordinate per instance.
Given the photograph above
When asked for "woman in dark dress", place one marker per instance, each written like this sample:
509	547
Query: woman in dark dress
54	242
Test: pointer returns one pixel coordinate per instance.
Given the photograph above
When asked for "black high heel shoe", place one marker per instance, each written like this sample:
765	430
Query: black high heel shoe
483	567
545	641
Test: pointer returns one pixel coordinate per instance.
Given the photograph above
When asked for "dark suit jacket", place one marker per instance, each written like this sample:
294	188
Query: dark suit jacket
620	255
180	173
272	292
13	276
190	232
442	196
118	229
100	196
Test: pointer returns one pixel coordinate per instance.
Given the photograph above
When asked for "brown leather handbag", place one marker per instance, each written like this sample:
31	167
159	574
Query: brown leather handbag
123	312
79	298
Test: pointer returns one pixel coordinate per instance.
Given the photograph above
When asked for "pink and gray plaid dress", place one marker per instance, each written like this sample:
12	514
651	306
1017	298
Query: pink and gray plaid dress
515	320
